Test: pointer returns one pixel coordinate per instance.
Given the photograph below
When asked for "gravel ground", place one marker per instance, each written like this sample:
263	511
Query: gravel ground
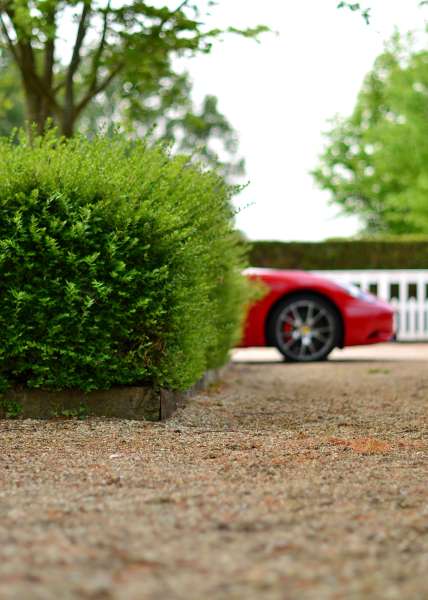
285	482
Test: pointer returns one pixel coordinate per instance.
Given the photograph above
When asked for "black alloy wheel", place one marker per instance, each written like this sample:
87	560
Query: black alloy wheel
304	328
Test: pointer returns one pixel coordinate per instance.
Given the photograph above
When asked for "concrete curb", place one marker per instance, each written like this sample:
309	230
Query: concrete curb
135	403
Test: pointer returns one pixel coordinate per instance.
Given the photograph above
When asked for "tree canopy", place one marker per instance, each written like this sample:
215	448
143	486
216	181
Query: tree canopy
132	45
356	7
12	109
365	10
170	115
376	161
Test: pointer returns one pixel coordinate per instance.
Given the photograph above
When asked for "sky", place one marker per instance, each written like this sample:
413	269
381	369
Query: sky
280	94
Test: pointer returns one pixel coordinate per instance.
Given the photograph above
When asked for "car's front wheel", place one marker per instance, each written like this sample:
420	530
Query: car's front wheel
304	328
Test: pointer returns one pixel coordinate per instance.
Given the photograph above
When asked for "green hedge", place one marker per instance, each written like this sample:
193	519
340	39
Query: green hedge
404	253
118	265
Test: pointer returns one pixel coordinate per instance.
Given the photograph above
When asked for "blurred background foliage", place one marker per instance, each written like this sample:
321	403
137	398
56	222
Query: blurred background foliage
167	114
86	66
12	109
375	164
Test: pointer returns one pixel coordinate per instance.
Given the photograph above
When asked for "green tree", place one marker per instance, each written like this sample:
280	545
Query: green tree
168	114
365	10
376	161
132	42
356	7
12	111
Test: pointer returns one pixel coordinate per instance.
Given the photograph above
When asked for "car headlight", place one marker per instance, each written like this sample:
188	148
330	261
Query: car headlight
355	292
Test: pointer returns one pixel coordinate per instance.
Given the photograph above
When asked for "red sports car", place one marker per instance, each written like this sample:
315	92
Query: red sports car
305	316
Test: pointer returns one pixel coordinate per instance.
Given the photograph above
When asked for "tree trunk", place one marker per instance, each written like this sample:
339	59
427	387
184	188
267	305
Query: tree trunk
40	115
33	103
67	124
36	103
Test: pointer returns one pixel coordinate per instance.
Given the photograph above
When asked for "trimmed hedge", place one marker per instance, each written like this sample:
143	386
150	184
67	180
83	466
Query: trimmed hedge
118	265
403	253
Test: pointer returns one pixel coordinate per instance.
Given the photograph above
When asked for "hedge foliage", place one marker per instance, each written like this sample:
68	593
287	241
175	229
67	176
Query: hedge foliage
118	265
402	253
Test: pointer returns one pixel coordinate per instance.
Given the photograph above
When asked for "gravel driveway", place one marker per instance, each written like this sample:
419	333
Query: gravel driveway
285	482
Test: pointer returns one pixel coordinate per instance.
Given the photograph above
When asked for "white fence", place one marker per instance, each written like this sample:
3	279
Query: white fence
407	291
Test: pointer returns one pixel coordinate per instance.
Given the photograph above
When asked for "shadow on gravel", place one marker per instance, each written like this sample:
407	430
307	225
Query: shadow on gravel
276	363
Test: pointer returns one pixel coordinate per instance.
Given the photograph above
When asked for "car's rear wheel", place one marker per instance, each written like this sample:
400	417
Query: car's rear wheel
304	328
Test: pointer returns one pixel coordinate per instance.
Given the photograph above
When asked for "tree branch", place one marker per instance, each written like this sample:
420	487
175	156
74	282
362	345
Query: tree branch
99	51
29	73
99	88
49	57
180	6
75	60
94	87
9	41
48	63
58	86
171	14
81	32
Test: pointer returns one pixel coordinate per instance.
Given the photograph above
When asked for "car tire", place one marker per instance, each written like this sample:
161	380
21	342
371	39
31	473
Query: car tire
304	328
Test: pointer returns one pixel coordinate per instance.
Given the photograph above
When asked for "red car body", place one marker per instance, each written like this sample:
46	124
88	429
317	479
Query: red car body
365	319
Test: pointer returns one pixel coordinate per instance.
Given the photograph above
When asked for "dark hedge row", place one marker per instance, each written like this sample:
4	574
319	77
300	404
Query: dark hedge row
405	253
118	265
